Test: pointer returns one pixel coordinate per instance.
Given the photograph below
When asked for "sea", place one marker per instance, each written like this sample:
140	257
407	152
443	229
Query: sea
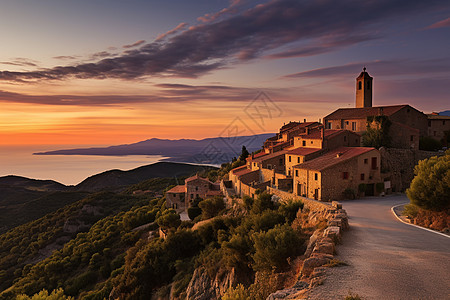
66	169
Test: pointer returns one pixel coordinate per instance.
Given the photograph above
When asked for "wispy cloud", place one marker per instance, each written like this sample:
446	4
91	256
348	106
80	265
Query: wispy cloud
20	61
381	67
67	57
440	24
136	44
243	36
177	28
232	9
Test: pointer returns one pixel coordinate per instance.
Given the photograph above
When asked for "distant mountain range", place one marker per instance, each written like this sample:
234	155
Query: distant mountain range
206	151
445	113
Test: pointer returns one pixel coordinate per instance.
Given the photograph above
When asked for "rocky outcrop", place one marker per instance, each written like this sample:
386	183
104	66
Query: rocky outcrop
319	251
203	287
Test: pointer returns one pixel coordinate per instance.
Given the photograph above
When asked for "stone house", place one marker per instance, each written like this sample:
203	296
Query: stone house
299	156
327	139
438	125
328	176
195	187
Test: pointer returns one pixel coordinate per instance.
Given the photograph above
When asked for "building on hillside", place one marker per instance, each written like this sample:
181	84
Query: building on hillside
327	139
299	156
288	132
407	123
328	176
194	188
437	126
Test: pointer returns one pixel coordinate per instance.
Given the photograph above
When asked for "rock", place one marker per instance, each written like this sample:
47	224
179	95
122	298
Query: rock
312	242
324	247
333	232
336	204
291	293
311	263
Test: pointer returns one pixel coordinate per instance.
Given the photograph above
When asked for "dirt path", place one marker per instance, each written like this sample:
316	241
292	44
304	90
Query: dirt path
387	259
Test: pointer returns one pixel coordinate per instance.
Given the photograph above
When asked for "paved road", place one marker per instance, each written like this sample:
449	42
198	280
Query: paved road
387	259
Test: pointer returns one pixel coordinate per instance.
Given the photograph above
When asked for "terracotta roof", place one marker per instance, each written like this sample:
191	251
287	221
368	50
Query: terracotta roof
243	172
302	151
235	170
291	125
213	193
195	177
177	189
270	155
437	117
317	134
332	158
364	112
259	154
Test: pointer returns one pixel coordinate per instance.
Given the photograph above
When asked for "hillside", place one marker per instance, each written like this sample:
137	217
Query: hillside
118	180
32	184
183	150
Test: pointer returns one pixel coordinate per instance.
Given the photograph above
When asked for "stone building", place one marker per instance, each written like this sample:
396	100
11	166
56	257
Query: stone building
327	139
328	176
438	125
195	187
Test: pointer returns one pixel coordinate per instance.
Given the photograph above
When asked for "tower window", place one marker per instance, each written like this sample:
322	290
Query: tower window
304	143
368	85
359	85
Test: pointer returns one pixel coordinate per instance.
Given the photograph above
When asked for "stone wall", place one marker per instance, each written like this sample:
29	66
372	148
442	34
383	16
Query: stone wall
397	165
309	203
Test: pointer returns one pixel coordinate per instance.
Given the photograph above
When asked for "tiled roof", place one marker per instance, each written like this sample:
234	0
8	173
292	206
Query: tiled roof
242	172
259	154
177	189
334	157
302	151
195	177
363	112
270	155
235	170
317	134
291	125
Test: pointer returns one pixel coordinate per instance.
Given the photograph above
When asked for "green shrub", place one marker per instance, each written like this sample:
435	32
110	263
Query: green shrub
237	293
410	211
194	212
290	208
274	247
379	187
362	187
211	207
349	193
430	188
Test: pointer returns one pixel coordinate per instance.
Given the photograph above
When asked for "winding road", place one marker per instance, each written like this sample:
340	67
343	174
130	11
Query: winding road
386	258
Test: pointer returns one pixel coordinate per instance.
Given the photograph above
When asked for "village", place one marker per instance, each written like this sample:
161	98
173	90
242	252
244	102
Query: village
327	161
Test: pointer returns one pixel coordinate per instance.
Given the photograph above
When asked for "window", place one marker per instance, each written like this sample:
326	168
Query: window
289	158
304	143
192	196
196	188
366	161
374	163
316	176
354	126
298	160
345	175
346	122
412	138
345	138
311	142
359	85
296	173
362	176
289	173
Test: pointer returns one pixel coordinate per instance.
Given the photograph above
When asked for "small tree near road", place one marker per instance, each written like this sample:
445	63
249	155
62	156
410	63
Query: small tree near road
430	188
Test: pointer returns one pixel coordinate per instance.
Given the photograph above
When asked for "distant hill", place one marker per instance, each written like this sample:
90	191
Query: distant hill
117	179
31	184
209	151
445	113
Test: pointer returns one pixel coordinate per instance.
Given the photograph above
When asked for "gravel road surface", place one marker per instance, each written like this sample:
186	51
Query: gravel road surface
387	259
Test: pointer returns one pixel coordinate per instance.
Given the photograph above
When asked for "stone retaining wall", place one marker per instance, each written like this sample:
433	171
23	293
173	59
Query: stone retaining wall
309	203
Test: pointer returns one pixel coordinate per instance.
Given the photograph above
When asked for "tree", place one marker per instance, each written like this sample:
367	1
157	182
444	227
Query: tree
430	188
44	295
429	144
211	207
377	132
244	154
169	219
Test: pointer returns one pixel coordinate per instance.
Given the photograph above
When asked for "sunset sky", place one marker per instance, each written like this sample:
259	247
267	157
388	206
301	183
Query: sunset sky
103	72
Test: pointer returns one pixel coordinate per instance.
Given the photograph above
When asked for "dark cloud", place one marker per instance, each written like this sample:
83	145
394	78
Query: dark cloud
138	43
179	27
383	67
245	36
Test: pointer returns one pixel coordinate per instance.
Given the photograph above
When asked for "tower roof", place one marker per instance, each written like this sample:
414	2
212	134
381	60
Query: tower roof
364	74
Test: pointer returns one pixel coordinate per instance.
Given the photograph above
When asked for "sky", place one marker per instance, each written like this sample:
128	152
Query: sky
105	72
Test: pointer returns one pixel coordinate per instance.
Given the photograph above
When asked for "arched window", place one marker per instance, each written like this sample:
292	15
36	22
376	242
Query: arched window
359	85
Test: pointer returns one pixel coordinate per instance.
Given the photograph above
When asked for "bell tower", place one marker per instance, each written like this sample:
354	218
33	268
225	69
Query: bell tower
364	86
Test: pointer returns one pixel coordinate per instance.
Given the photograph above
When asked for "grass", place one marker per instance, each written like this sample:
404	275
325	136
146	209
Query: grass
352	296
335	263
